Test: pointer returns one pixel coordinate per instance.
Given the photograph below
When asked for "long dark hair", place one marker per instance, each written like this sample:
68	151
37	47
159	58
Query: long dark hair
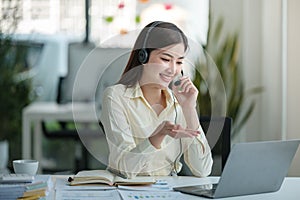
155	35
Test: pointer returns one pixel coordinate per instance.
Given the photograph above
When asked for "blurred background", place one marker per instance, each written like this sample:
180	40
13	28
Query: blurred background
253	43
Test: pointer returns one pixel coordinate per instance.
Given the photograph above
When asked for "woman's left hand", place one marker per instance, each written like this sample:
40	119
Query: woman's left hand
186	93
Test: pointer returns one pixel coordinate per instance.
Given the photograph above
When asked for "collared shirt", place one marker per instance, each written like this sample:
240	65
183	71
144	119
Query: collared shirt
129	120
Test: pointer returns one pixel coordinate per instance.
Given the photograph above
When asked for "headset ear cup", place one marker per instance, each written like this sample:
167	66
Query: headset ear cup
143	56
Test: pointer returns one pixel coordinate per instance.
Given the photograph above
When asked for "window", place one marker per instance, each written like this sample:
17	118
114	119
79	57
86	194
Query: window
109	17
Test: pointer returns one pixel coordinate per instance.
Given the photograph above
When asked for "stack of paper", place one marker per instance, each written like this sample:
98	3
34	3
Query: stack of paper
39	188
11	191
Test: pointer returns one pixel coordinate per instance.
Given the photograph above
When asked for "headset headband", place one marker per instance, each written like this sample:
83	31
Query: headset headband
156	23
143	54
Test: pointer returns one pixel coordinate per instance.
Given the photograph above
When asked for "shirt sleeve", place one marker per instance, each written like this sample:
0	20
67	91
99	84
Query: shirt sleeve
198	155
125	155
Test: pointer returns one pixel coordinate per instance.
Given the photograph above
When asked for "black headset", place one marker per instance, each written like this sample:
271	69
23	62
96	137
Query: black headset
143	55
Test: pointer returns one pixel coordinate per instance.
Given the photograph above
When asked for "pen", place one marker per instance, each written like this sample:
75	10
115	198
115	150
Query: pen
116	172
70	179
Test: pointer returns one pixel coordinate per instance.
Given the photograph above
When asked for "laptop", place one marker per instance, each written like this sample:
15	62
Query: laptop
251	168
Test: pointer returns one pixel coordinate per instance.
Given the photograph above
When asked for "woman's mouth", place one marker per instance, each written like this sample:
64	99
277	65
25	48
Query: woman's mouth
165	77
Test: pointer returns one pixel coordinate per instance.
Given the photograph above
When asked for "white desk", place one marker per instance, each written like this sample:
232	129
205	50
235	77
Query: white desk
289	189
36	112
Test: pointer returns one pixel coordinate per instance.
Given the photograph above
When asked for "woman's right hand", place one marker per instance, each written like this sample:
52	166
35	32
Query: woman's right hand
173	130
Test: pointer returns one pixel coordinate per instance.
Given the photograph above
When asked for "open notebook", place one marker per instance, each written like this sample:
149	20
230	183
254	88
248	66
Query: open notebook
106	177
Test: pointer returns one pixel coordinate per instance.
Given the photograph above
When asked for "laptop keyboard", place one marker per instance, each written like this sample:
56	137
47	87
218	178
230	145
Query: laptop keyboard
208	189
205	187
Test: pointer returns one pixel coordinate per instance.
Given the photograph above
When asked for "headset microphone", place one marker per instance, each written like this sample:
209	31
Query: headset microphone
178	82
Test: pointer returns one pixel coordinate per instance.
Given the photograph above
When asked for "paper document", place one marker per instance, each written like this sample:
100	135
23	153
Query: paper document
87	195
150	195
160	185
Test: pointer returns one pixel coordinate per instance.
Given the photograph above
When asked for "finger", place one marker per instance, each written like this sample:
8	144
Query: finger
168	130
184	78
171	127
195	133
187	87
168	125
190	88
183	84
184	133
179	135
177	127
189	131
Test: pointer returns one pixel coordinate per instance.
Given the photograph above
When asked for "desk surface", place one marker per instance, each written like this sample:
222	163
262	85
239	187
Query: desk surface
69	111
36	112
289	189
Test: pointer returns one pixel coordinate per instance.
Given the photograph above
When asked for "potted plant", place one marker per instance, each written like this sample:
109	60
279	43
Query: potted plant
224	52
15	89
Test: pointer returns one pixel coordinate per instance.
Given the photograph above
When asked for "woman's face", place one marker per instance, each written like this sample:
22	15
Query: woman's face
163	66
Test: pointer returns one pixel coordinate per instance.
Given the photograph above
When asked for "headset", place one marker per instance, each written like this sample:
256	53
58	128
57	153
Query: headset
143	53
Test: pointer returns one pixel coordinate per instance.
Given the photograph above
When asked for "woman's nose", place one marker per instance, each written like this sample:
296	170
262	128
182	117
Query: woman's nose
172	67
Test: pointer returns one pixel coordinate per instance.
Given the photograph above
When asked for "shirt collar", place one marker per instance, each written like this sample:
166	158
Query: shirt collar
136	92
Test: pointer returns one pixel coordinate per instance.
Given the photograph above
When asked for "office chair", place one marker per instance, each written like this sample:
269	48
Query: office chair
64	95
220	143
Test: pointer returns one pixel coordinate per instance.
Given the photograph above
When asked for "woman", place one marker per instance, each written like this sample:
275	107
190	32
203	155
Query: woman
149	121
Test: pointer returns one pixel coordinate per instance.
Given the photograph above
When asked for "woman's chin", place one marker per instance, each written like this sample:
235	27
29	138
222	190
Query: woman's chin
162	85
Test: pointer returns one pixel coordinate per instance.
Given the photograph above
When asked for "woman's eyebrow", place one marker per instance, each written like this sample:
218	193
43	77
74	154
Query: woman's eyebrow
167	54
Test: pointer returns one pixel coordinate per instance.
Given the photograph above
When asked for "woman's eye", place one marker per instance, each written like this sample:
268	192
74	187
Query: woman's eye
166	59
179	63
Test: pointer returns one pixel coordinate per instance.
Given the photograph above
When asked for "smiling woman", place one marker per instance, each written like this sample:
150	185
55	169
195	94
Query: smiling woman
149	123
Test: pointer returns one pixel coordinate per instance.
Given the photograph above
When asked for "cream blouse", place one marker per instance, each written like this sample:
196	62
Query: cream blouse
129	121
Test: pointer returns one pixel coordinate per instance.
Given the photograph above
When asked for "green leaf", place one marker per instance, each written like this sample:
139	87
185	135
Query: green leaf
239	124
138	19
109	19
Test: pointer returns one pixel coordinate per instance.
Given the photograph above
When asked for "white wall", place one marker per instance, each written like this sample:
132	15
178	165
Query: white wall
252	64
271	70
260	25
293	81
